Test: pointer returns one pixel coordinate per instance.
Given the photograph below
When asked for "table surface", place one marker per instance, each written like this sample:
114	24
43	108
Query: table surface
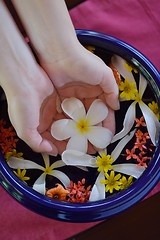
143	218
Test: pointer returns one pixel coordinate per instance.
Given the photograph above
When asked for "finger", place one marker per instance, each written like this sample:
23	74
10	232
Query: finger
110	88
60	145
47	112
109	122
38	143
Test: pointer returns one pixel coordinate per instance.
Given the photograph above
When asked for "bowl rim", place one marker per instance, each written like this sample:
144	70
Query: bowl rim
102	209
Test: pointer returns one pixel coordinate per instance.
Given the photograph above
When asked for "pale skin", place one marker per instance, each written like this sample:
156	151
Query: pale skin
65	67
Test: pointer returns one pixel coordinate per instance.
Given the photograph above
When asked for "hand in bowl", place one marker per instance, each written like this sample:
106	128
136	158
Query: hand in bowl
84	76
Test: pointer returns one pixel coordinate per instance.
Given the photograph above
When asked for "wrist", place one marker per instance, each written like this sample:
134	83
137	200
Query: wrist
51	53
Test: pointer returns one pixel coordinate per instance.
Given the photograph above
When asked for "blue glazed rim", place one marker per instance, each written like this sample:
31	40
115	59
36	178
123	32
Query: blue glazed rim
103	209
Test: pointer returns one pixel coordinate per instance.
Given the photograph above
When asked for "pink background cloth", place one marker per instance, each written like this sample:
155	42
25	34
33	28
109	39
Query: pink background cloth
137	22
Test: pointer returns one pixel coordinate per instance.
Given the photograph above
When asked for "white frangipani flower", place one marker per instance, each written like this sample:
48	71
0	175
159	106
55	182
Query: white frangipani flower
40	183
76	158
152	123
82	127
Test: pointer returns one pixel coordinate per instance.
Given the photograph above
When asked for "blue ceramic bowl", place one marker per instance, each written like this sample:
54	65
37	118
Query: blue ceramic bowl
99	210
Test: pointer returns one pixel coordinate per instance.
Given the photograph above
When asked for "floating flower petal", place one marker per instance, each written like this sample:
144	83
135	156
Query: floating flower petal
129	169
152	123
127	123
74	108
98	190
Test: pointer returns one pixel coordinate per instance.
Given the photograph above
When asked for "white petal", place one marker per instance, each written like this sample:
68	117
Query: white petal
102	151
127	123
40	184
119	64
152	123
97	112
46	159
63	129
119	147
83	168
74	108
58	164
62	177
98	190
78	142
100	137
142	85
129	169
15	162
76	158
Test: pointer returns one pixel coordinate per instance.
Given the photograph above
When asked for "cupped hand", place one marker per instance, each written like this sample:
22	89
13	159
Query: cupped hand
83	75
86	77
83	67
32	108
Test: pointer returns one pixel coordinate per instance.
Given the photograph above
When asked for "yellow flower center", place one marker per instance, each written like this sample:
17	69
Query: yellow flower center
48	170
104	162
83	126
137	97
127	88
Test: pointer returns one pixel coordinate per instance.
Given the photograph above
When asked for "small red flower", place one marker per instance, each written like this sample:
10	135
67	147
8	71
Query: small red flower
78	192
142	160
140	145
140	122
8	138
130	154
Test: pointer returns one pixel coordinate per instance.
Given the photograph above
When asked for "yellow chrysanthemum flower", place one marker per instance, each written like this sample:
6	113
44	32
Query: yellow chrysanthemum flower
21	174
112	181
104	162
154	107
128	90
13	153
130	68
125	182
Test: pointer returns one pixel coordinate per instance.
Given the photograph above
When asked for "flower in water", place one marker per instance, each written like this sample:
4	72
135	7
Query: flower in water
125	183
13	153
78	192
152	123
128	90
104	162
21	174
142	160
8	138
140	122
82	127
76	158
57	193
130	154
112	181
154	107
130	68
142	146
40	183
